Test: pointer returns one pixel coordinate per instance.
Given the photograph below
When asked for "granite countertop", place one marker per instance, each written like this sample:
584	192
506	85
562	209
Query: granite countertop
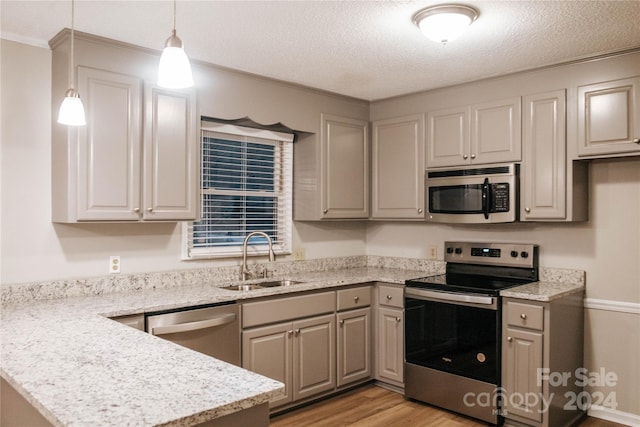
78	368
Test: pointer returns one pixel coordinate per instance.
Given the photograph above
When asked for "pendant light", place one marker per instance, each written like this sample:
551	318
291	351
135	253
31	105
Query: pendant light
71	110
174	71
445	22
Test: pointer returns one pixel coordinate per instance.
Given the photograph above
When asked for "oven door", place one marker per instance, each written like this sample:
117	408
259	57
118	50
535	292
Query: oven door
454	333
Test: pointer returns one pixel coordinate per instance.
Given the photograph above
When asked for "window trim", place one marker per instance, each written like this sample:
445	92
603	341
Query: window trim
281	248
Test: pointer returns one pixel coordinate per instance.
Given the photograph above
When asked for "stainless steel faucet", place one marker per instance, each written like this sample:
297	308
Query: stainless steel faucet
272	255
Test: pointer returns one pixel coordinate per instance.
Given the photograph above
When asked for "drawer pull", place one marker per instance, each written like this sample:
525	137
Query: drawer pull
509	339
389	297
356	299
523	316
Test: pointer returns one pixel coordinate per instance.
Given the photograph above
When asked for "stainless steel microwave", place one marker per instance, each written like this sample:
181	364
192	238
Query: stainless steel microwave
473	195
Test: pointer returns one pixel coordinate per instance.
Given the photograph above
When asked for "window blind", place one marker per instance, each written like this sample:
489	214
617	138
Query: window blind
246	186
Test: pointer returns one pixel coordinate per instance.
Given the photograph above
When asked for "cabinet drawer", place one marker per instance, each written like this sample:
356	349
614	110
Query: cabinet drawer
525	315
278	310
354	298
391	296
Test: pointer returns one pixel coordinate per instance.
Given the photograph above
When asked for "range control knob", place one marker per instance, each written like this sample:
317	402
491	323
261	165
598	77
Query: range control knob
449	250
458	251
514	254
524	254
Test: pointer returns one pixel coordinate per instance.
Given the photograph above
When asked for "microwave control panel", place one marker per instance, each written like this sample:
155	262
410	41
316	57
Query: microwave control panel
500	197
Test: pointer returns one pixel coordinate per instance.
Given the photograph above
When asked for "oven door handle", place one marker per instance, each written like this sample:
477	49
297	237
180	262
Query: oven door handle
447	296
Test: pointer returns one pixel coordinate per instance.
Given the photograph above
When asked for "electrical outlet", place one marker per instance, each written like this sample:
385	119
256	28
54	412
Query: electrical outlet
298	254
433	252
114	264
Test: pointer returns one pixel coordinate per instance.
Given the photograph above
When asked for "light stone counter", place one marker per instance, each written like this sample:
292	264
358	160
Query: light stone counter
553	284
79	368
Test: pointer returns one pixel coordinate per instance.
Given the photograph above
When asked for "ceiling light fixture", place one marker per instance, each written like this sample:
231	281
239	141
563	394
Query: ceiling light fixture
71	110
174	70
446	22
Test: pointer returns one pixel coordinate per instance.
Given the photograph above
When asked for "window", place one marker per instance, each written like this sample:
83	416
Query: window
246	185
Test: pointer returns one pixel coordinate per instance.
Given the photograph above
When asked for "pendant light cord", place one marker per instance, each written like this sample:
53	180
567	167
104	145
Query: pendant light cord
71	73
174	16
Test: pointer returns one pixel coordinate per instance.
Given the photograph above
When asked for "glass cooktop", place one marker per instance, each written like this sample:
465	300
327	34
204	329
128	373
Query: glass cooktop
466	283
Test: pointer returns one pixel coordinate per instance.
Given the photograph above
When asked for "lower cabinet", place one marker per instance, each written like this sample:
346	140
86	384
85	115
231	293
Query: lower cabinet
300	354
390	334
314	343
354	345
542	340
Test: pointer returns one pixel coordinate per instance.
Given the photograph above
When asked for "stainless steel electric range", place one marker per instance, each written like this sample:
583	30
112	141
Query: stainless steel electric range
453	326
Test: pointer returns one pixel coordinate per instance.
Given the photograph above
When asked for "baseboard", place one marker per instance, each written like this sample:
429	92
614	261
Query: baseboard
615	416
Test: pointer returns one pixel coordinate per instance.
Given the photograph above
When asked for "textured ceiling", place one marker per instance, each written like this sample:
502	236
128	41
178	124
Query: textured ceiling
365	49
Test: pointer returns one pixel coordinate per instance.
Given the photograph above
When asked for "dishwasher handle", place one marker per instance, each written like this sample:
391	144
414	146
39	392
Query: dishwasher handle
194	326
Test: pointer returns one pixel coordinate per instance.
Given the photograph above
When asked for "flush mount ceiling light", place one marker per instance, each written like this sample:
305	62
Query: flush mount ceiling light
174	71
446	22
71	110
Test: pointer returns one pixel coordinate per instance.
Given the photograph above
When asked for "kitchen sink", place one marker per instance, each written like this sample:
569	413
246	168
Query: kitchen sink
262	285
277	283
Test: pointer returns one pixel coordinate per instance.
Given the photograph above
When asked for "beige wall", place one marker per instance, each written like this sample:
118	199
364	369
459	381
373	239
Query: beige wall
32	248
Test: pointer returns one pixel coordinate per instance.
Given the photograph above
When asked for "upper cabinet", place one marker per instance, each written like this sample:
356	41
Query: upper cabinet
551	188
609	118
331	179
478	134
398	168
137	157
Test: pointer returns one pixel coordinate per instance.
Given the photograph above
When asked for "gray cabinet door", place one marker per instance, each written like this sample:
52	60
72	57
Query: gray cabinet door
109	147
390	345
354	345
522	358
345	168
269	351
496	132
609	118
398	162
544	169
314	357
170	155
448	137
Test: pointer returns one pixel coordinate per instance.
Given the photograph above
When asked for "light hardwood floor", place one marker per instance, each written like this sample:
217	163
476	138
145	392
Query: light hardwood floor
373	406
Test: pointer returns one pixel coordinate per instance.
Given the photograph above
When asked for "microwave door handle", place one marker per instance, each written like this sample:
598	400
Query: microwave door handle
485	198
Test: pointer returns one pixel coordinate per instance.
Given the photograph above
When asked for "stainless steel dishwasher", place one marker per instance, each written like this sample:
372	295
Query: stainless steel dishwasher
212	330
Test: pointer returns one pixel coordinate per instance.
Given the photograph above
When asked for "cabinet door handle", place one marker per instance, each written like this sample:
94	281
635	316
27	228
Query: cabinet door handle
523	316
473	156
297	332
419	211
465	157
149	209
509	339
341	322
289	333
398	319
136	210
527	210
324	211
637	140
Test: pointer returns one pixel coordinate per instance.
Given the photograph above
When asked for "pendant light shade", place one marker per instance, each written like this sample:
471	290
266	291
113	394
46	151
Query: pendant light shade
71	110
174	70
445	23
